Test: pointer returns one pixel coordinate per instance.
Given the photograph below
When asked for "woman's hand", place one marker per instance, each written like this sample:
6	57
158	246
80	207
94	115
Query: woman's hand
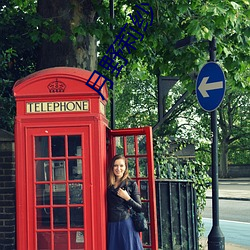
123	194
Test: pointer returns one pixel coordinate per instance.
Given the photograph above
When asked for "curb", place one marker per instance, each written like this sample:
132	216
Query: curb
230	198
243	179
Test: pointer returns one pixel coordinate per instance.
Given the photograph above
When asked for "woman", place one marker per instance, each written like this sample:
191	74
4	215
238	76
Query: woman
122	195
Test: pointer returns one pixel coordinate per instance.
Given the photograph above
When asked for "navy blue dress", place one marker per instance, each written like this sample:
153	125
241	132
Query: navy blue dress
121	231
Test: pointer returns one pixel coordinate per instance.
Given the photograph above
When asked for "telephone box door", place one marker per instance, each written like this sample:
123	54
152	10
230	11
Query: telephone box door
136	145
59	188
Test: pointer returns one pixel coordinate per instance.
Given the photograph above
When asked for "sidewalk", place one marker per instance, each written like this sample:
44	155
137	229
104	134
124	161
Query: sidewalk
228	246
231	194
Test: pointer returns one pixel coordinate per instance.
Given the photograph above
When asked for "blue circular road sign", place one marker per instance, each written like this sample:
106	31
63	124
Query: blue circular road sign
210	86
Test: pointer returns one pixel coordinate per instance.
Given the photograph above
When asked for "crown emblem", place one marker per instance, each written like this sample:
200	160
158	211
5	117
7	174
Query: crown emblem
56	86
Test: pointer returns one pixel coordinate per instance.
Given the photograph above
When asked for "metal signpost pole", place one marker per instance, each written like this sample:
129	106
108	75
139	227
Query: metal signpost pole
216	240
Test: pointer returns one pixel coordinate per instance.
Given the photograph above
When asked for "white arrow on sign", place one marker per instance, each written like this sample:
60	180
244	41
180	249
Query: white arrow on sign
204	86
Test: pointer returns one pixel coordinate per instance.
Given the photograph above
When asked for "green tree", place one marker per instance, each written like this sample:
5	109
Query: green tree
17	54
40	34
66	33
67	36
228	22
233	120
234	117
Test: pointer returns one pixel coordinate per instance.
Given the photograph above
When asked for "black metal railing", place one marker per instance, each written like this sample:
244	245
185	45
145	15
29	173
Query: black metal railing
176	211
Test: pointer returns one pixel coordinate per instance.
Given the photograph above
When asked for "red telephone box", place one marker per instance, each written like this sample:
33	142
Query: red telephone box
62	149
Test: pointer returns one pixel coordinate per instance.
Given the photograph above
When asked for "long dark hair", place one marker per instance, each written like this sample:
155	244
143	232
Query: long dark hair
111	175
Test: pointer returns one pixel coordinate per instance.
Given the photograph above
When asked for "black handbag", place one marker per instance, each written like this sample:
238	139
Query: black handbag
140	222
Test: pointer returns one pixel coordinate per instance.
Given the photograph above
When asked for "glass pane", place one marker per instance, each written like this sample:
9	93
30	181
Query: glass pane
59	194
74	145
41	146
145	209
131	167
46	195
75	169
60	217
61	240
77	240
76	217
58	146
130	145
144	190
44	241
146	237
119	145
43	218
143	164
40	194
141	139
75	193
42	171
58	171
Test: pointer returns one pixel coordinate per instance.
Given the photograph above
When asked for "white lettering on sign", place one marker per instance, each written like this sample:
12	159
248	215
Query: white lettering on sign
49	107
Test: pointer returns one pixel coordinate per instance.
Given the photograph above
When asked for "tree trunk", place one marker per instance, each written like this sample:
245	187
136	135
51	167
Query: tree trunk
223	166
73	51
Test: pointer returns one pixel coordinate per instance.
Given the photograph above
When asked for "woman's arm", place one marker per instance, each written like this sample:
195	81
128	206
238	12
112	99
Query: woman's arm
133	200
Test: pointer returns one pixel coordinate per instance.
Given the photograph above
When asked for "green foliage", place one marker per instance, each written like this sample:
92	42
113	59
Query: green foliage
138	94
17	55
226	21
193	170
7	106
15	29
234	117
136	88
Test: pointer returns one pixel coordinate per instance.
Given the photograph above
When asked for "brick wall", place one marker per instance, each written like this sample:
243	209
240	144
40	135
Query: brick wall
7	191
